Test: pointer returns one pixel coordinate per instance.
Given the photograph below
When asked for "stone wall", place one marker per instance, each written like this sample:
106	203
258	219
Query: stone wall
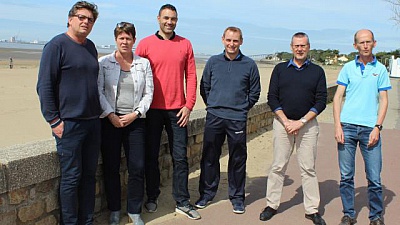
29	173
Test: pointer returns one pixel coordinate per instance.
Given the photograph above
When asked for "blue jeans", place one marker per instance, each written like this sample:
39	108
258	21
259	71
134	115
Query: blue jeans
78	151
132	138
353	135
215	131
156	120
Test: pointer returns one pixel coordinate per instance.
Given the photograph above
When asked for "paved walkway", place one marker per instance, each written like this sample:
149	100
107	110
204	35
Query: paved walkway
291	210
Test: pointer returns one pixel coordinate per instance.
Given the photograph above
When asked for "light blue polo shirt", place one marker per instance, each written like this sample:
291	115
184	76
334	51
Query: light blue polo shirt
363	84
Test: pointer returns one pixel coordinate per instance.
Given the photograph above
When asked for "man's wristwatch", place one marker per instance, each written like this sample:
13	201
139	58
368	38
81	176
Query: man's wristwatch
138	113
303	120
379	126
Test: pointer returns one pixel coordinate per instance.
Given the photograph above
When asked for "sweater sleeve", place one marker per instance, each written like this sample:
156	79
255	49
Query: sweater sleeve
273	91
205	83
255	87
321	93
191	79
140	50
47	84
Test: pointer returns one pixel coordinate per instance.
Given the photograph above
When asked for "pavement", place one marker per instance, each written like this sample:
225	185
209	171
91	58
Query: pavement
291	210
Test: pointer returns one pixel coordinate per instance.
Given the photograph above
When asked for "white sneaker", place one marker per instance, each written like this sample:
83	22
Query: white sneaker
114	217
136	219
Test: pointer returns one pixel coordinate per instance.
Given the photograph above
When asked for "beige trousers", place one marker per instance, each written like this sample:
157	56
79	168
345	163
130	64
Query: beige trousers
305	143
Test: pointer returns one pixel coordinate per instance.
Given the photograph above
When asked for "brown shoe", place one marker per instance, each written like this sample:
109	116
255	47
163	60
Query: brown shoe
346	220
378	221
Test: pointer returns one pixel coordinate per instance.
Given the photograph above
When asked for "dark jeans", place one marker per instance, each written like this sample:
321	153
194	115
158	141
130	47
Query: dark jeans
132	138
156	120
78	151
214	136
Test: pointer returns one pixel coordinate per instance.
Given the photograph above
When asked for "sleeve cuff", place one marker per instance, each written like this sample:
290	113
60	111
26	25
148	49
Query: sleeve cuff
279	108
314	110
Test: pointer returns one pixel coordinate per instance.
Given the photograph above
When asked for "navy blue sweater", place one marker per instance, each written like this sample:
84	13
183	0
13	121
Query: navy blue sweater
229	88
296	92
67	82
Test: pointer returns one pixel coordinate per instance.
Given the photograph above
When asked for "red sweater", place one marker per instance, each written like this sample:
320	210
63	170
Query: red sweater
172	62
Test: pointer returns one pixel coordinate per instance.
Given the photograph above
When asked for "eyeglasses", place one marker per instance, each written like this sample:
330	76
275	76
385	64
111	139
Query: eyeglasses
124	24
83	18
299	46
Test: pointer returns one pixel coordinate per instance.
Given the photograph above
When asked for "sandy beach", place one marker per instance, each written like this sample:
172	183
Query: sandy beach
20	117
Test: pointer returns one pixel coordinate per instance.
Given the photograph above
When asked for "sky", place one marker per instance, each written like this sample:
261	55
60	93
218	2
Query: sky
267	25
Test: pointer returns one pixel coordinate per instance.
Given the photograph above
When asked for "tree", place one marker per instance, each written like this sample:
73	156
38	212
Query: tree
352	55
284	56
315	55
396	10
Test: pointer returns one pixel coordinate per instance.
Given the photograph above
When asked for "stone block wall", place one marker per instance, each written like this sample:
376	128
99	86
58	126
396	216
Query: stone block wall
29	173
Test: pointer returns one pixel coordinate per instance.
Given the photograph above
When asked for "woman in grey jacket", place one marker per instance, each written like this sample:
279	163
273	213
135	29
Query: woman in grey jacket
125	85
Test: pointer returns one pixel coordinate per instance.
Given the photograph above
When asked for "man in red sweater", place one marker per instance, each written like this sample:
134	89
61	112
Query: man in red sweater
173	65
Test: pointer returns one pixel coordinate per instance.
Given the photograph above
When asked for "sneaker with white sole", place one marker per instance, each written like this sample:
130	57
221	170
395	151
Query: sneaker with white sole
135	219
151	205
202	203
114	218
238	207
189	211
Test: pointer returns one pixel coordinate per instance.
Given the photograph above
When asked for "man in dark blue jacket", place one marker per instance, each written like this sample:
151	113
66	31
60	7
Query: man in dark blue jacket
69	100
230	87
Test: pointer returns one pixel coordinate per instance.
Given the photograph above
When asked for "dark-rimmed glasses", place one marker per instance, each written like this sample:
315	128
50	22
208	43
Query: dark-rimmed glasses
83	18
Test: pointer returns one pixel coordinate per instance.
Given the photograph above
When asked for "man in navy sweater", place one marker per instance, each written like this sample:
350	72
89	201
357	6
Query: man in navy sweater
297	94
230	87
69	100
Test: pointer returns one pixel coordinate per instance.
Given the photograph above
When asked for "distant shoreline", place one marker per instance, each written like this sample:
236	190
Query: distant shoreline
35	54
20	53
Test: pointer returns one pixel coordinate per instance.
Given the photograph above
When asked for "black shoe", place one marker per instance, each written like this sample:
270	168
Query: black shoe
267	213
316	218
346	220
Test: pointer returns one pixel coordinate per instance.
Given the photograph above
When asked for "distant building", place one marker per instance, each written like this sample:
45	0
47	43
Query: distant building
107	46
394	67
273	57
343	59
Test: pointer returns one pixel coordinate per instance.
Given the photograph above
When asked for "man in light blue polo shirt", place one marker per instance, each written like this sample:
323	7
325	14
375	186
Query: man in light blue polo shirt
365	82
